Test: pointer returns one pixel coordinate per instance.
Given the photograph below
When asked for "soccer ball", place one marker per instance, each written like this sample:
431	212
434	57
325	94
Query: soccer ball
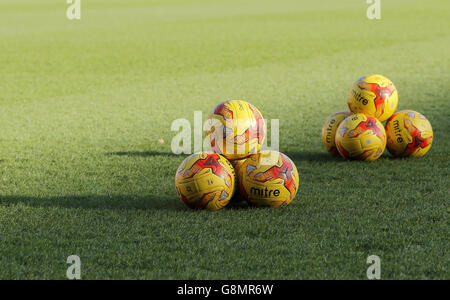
361	137
373	95
205	181
329	131
409	133
268	178
236	129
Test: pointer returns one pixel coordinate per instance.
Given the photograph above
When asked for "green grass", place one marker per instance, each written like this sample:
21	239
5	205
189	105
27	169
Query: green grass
83	104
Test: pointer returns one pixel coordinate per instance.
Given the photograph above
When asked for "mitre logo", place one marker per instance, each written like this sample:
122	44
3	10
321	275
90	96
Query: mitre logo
329	129
264	192
397	131
359	97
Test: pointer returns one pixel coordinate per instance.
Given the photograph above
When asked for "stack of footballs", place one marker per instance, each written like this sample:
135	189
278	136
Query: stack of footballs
359	133
236	131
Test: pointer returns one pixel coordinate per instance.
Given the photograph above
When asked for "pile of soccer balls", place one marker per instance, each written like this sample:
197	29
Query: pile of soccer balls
236	130
359	134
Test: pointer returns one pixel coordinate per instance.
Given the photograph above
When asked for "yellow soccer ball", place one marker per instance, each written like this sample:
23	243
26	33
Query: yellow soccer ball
236	129
409	133
205	181
373	95
329	131
268	179
361	137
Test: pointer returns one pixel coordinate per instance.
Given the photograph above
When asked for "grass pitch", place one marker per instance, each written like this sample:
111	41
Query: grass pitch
84	103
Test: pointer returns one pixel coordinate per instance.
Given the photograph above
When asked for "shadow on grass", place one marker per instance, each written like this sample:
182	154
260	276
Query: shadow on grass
120	203
326	157
150	202
312	156
141	153
299	156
